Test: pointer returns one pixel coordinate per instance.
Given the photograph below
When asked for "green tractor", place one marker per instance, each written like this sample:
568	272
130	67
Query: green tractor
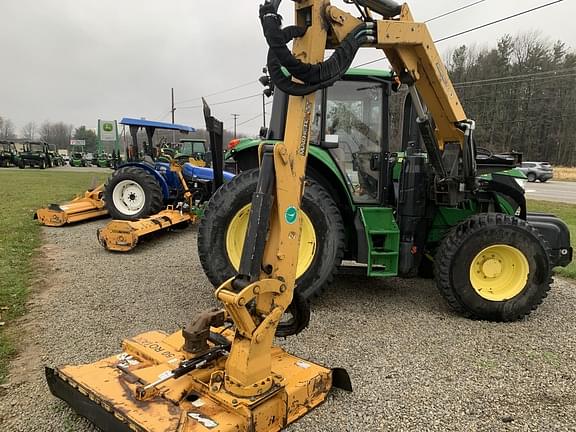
103	160
77	156
372	198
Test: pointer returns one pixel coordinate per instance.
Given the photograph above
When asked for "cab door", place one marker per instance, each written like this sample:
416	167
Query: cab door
356	117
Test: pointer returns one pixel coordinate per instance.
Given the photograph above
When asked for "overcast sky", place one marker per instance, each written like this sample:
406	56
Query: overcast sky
80	60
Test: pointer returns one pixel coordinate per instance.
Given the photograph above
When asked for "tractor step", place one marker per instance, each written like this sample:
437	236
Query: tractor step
123	236
108	392
383	238
89	206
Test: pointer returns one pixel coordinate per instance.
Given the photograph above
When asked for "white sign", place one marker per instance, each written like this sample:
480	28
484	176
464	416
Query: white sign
77	142
107	130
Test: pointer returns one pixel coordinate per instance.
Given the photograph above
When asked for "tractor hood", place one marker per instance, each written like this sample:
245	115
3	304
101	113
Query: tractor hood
189	170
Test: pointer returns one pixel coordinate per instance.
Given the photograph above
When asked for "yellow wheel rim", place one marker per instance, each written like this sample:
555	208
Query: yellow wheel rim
499	272
237	231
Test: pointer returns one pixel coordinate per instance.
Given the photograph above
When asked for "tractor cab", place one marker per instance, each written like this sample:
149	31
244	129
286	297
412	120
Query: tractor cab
194	151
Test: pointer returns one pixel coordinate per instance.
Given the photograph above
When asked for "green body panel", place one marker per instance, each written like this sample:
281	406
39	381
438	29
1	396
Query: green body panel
447	217
514	172
76	162
383	240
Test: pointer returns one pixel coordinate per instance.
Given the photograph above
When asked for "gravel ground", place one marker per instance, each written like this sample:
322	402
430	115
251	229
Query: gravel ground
414	364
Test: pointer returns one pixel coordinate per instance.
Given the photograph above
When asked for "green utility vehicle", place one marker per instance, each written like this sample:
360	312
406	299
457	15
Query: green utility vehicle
35	154
372	198
8	154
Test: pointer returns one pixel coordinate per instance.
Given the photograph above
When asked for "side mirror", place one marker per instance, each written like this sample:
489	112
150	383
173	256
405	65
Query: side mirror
330	142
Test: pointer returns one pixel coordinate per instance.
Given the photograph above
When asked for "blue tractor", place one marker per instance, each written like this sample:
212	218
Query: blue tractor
146	184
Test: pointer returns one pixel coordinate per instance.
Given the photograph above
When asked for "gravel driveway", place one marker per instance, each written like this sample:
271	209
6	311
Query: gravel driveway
414	364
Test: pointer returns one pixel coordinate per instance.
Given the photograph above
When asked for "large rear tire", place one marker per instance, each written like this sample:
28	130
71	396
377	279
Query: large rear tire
132	193
221	230
493	267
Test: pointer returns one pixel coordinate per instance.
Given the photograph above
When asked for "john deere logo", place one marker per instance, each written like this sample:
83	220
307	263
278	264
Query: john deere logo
291	214
107	127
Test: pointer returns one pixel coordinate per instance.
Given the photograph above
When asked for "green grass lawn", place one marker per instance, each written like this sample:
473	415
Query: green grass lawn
566	212
21	193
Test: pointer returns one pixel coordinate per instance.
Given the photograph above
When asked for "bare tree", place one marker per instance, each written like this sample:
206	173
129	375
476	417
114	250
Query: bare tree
29	131
46	132
7	129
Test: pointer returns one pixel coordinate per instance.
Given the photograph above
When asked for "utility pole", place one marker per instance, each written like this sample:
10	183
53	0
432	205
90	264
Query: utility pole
235	118
263	111
173	109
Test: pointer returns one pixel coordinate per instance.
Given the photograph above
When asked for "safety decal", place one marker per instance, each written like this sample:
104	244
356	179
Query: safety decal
291	214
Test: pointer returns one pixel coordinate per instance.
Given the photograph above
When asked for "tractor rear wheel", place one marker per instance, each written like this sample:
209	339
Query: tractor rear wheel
493	267
132	193
223	227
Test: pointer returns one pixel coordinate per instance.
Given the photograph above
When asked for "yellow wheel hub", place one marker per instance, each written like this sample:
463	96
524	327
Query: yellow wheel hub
237	231
499	272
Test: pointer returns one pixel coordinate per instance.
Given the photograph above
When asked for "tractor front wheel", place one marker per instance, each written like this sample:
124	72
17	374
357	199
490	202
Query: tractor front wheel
223	228
493	267
132	193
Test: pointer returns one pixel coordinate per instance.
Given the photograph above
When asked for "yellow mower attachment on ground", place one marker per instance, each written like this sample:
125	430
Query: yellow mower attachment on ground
123	235
81	208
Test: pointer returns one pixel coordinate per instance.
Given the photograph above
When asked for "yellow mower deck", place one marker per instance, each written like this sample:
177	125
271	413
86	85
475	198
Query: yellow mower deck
105	392
123	236
89	206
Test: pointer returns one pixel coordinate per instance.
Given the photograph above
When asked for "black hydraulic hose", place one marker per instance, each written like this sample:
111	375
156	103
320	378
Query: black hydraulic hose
314	76
285	83
277	39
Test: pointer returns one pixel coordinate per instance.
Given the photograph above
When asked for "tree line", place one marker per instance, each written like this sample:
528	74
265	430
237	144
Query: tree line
522	95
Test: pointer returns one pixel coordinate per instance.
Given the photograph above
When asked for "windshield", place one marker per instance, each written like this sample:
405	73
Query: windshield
36	148
192	147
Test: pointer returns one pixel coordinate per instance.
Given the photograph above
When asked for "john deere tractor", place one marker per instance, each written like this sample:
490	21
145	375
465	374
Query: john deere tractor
382	193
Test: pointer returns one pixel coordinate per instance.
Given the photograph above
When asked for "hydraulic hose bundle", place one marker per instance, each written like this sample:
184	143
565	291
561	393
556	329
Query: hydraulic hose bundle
313	76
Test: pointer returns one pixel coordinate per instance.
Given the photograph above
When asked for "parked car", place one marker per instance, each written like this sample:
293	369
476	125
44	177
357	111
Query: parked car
533	171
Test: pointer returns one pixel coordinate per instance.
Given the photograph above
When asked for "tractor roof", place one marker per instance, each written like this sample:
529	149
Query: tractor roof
156	124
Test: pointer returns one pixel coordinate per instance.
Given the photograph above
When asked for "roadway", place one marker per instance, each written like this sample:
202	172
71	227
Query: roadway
558	191
66	168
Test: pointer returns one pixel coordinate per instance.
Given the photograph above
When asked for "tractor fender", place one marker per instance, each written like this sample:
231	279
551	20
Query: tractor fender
158	172
201	173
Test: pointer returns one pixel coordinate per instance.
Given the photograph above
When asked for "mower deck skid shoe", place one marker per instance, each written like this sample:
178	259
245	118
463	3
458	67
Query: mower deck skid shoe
89	206
106	392
123	235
